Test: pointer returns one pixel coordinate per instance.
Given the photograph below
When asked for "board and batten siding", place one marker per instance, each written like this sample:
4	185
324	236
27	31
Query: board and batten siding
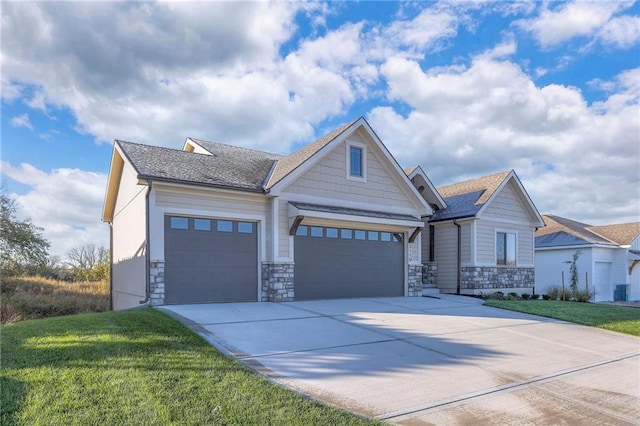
507	205
327	179
486	242
129	234
446	253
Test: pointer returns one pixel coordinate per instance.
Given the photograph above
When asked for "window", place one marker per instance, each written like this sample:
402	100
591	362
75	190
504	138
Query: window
225	226
361	235
301	231
202	224
355	161
332	233
356	165
397	238
346	234
385	236
506	248
245	228
373	235
179	223
316	231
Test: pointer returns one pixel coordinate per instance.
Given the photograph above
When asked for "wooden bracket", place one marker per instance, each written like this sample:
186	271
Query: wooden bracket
294	226
415	234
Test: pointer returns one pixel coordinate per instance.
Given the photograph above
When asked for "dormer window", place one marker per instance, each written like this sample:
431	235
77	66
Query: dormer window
356	161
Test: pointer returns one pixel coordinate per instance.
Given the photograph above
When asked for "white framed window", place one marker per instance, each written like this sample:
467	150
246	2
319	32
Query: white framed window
506	248
356	161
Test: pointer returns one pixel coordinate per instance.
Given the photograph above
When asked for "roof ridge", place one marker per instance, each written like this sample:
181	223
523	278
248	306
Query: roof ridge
235	146
488	184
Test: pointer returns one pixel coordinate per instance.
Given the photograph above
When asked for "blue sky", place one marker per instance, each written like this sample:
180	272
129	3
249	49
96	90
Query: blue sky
464	89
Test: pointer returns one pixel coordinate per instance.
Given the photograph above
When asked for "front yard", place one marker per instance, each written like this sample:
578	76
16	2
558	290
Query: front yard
138	367
616	318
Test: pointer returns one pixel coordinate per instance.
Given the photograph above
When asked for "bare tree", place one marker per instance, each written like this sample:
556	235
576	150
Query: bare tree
87	261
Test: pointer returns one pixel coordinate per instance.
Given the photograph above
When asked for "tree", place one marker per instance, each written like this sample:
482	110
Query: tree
22	245
573	272
89	262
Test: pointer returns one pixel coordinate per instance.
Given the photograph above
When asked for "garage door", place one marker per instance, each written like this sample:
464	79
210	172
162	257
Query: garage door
209	260
333	263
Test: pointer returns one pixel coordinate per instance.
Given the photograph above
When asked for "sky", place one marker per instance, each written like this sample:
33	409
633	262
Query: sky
464	89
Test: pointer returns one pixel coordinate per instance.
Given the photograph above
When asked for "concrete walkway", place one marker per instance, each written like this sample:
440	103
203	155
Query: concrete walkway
432	361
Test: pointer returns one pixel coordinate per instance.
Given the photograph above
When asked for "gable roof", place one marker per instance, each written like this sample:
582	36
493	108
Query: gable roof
561	231
432	196
289	163
622	233
227	166
470	197
486	184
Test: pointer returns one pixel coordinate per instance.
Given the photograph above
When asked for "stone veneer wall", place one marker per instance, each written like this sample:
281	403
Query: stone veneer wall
414	287
277	282
496	278
430	273
156	282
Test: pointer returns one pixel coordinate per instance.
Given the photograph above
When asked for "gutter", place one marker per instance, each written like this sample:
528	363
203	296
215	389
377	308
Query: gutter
459	260
147	255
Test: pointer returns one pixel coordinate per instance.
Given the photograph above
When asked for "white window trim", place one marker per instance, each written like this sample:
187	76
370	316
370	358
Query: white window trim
495	247
363	147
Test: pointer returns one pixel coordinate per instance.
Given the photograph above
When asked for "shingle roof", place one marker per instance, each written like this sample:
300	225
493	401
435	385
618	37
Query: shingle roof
561	231
622	233
465	199
488	184
227	166
289	163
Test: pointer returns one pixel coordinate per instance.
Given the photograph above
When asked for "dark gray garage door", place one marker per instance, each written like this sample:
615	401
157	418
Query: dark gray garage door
332	263
209	260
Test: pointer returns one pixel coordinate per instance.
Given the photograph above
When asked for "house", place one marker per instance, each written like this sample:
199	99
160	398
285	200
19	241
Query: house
217	223
480	238
607	263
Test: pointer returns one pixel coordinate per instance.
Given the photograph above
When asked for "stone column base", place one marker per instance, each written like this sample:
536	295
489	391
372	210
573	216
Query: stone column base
277	282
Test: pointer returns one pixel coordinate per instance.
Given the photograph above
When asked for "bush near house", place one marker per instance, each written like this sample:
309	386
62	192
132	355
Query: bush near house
24	298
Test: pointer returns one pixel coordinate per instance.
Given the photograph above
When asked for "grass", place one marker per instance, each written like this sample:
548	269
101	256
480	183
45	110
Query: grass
616	318
139	368
36	297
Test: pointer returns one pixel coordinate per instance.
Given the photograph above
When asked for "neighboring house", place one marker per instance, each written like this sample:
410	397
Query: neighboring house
481	235
212	222
608	261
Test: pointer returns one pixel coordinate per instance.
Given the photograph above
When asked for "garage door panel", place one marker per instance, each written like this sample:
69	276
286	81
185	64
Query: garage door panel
210	265
329	268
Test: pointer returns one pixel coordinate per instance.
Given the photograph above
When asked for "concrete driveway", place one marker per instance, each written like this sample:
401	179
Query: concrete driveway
432	361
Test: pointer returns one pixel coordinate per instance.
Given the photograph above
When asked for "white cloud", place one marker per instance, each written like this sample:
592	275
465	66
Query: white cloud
22	120
579	18
622	32
576	159
67	203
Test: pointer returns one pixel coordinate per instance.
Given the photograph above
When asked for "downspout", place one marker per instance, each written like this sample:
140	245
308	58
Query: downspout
147	255
111	265
455	222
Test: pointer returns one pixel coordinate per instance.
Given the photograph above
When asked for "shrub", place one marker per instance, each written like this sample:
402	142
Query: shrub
535	296
498	295
513	296
525	296
546	297
583	296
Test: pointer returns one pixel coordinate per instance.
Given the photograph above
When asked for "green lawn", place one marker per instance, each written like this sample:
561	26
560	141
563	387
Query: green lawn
141	368
617	318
